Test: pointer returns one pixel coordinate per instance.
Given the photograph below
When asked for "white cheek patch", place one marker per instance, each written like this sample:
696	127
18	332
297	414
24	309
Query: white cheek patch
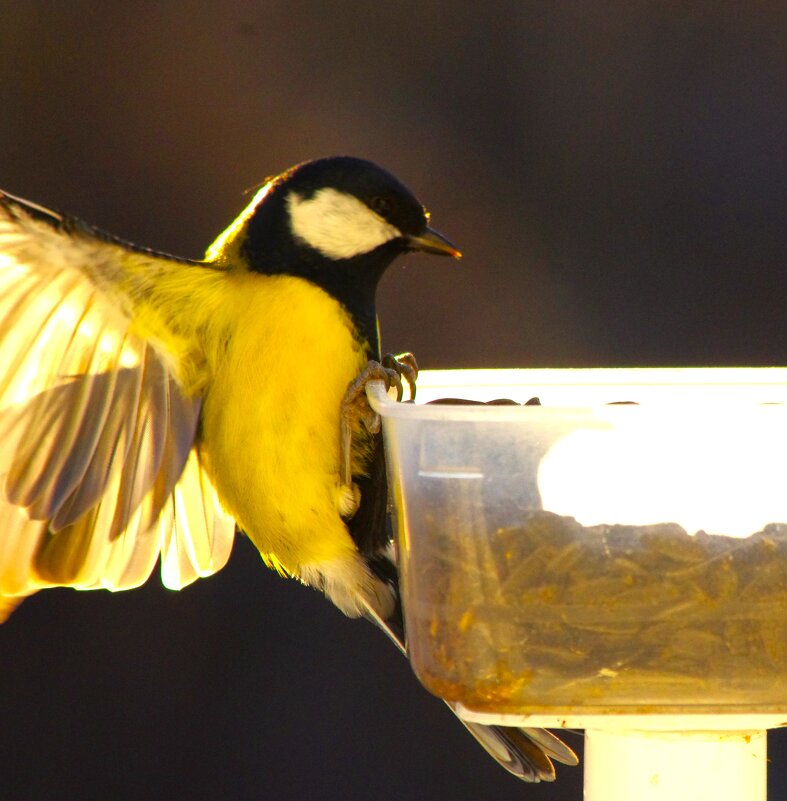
338	225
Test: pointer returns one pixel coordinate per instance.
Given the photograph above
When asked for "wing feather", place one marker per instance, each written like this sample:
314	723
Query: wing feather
37	478
200	539
99	474
18	546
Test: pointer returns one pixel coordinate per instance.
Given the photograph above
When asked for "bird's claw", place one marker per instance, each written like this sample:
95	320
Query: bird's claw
390	370
403	365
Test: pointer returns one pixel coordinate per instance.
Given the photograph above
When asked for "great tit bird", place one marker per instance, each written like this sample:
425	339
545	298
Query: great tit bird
150	404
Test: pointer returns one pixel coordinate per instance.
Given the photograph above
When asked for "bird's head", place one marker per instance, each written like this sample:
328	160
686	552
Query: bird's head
330	213
345	207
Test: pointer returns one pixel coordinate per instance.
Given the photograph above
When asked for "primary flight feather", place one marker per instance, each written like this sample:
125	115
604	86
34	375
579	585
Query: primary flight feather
149	404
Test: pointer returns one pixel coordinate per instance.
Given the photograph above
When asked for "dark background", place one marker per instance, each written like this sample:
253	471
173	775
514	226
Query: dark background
614	173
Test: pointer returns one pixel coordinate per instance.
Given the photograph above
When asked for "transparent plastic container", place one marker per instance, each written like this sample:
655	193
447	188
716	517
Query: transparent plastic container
621	548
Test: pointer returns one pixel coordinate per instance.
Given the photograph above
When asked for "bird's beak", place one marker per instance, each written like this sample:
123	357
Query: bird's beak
432	242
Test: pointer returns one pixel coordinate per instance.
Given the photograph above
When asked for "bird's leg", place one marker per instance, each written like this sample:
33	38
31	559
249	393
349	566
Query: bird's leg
355	407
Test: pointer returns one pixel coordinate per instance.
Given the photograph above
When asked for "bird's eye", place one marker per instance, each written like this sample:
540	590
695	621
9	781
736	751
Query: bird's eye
380	205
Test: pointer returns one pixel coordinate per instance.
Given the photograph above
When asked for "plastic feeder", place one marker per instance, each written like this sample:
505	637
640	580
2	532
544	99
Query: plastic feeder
614	559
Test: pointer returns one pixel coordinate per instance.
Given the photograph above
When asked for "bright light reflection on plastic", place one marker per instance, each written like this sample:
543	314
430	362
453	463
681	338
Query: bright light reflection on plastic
720	471
705	448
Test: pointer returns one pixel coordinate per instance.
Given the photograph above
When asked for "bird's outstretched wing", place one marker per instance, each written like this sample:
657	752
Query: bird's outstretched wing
98	473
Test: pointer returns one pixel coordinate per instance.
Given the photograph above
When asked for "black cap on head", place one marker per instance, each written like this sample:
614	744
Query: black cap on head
370	183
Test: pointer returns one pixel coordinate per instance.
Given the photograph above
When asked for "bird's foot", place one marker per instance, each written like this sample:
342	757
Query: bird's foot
404	366
355	407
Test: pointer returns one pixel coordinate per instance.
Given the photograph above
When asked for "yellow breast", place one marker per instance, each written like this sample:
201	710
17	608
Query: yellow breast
271	416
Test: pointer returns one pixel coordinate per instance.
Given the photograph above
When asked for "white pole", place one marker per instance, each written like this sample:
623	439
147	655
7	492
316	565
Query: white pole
675	766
